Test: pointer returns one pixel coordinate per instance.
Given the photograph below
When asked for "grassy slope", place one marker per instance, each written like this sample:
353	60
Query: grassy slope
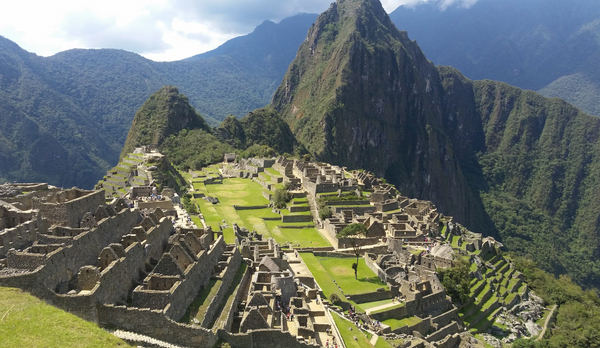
26	321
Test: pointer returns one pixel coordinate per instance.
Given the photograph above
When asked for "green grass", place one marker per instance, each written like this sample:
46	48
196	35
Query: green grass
198	308
321	275
348	331
340	270
382	343
26	321
273	171
398	323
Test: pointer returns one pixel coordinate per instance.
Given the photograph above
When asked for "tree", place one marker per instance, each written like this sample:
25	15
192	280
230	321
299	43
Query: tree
456	281
353	232
281	198
325	213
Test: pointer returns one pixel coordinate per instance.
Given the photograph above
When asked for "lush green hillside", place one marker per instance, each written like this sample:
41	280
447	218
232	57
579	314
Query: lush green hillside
168	121
64	118
165	113
550	46
29	322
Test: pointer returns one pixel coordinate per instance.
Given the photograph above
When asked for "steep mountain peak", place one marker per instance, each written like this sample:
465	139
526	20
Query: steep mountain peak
166	112
361	94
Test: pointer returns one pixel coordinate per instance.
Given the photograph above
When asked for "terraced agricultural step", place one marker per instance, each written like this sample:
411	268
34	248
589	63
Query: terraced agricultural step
515	286
479	286
491	305
504	268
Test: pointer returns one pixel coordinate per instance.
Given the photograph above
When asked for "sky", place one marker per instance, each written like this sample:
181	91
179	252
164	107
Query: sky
161	30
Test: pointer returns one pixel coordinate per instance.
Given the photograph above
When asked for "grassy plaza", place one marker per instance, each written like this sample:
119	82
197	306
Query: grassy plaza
245	192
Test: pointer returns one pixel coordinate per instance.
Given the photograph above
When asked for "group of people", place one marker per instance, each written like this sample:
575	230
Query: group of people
280	305
333	343
352	315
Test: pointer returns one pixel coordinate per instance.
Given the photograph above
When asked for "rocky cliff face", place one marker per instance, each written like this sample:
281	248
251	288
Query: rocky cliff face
362	95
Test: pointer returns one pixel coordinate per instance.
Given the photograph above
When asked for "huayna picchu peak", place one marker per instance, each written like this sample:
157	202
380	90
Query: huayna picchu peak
361	94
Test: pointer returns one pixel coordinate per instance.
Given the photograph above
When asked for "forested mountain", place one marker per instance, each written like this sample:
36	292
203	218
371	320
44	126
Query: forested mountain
503	161
64	118
549	46
168	121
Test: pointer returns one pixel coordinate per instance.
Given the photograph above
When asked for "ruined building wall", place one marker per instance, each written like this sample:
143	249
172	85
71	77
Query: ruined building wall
228	275
69	213
197	277
21	235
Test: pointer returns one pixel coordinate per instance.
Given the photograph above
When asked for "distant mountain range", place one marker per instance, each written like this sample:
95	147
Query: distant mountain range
64	118
551	46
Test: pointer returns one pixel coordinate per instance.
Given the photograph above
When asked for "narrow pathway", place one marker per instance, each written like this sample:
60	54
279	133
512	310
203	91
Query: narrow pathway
543	332
137	339
389	305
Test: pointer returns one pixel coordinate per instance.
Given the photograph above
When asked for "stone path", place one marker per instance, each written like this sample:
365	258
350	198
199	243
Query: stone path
546	323
382	307
141	339
374	339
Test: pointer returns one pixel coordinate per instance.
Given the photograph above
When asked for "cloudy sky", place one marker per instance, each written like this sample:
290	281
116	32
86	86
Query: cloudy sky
162	30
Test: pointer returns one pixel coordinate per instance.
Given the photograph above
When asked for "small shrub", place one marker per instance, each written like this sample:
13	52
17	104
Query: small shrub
325	213
335	299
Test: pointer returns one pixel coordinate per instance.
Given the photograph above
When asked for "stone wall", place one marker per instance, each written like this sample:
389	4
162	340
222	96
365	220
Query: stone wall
361	210
227	279
20	236
62	264
155	324
440	334
372	296
239	294
251	207
69	213
376	269
197	277
296	218
332	203
269	338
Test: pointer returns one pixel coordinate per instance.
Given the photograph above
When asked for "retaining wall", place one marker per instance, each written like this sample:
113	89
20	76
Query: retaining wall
296	218
155	324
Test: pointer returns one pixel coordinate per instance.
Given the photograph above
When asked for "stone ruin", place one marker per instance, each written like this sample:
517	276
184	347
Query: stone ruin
116	266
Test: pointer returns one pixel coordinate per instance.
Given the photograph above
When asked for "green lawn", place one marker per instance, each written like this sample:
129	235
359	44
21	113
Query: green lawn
321	275
340	269
26	321
326	269
349	331
273	171
397	323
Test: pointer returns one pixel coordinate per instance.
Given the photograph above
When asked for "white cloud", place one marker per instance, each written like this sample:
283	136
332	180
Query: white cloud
156	29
